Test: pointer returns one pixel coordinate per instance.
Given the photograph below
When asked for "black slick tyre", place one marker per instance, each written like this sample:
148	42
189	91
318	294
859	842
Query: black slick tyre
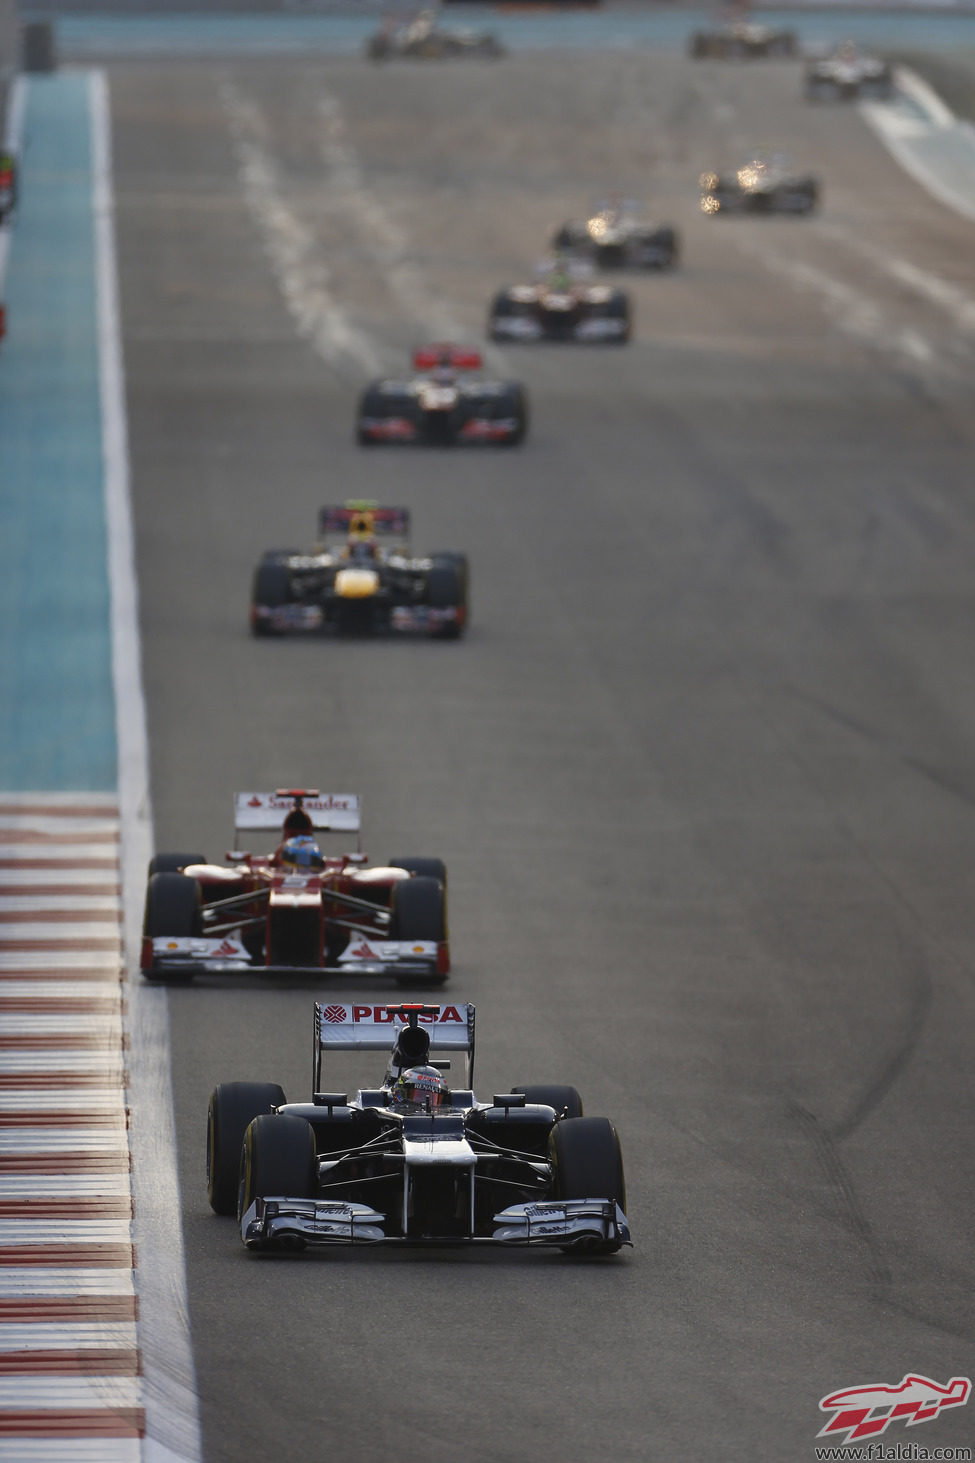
271	589
278	1159
418	911
588	1163
233	1106
173	908
564	1099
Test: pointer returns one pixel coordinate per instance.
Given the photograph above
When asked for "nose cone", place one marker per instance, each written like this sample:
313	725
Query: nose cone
356	583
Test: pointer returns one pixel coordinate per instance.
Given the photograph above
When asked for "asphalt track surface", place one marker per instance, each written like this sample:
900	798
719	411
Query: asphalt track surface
701	771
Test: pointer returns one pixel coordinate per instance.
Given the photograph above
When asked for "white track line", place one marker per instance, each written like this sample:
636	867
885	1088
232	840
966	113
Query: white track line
170	1400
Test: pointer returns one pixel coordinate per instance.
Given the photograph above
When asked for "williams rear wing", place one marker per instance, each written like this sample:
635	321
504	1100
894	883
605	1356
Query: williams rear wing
375	1028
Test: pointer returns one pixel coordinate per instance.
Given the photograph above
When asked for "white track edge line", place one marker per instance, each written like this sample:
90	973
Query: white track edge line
172	1414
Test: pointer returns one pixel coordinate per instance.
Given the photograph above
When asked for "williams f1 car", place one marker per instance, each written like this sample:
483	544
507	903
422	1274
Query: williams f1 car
616	236
561	305
759	186
742	40
848	74
413	1161
422	39
295	911
441	405
360	587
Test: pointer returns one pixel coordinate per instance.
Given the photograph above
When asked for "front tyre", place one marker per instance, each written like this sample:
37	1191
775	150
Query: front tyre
278	1160
587	1162
233	1106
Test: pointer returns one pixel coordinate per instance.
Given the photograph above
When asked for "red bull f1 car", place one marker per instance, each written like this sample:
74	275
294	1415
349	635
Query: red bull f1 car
615	235
413	1161
295	910
565	305
441	405
360	587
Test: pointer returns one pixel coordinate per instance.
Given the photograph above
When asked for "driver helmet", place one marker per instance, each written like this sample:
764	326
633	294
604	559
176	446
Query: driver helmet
362	551
419	1090
302	855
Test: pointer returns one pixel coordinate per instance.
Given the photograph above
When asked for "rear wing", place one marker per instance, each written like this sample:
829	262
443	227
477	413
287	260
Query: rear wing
363	519
376	1028
330	812
442	353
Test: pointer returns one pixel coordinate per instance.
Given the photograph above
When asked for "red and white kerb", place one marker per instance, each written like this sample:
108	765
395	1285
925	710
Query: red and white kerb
70	1371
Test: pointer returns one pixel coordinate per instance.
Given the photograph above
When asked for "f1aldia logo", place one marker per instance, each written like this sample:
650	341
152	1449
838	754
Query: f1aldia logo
866	1412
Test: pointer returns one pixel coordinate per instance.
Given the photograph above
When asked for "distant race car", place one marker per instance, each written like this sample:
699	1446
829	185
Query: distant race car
761	185
413	1162
295	911
848	74
440	405
742	39
8	184
360	587
422	39
563	304
615	236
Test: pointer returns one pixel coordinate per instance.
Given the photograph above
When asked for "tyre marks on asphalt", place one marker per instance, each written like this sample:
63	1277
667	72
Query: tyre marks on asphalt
292	248
70	1366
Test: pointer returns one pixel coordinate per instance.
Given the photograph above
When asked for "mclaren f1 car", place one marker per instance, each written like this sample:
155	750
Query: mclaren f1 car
295	910
443	405
742	40
562	304
848	74
361	586
423	39
615	235
760	185
413	1161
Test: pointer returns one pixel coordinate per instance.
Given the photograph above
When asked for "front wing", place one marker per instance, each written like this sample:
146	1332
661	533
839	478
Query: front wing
293	1224
185	955
404	619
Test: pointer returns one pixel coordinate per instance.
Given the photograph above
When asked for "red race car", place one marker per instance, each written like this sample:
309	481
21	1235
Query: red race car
296	910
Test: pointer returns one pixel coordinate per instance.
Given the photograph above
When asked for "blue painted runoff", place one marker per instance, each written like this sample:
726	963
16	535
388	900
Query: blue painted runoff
57	719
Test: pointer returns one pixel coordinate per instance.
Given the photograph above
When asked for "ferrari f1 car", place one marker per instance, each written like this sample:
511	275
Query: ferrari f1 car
616	236
413	1162
848	74
742	39
422	39
440	405
360	587
295	911
562	305
761	185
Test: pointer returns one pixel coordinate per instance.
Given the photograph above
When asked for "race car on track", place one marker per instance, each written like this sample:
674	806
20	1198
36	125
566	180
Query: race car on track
441	405
742	39
413	1161
615	236
761	185
848	74
360	587
8	184
563	304
295	910
422	39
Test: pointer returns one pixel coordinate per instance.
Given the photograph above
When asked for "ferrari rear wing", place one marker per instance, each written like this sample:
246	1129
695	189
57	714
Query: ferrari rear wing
375	1028
364	518
330	812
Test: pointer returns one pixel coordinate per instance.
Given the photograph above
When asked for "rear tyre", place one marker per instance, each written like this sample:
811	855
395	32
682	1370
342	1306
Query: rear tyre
173	908
429	868
174	863
588	1163
278	1158
565	1100
233	1106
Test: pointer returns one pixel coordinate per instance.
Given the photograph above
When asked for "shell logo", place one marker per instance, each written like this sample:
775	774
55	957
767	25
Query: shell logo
335	1014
